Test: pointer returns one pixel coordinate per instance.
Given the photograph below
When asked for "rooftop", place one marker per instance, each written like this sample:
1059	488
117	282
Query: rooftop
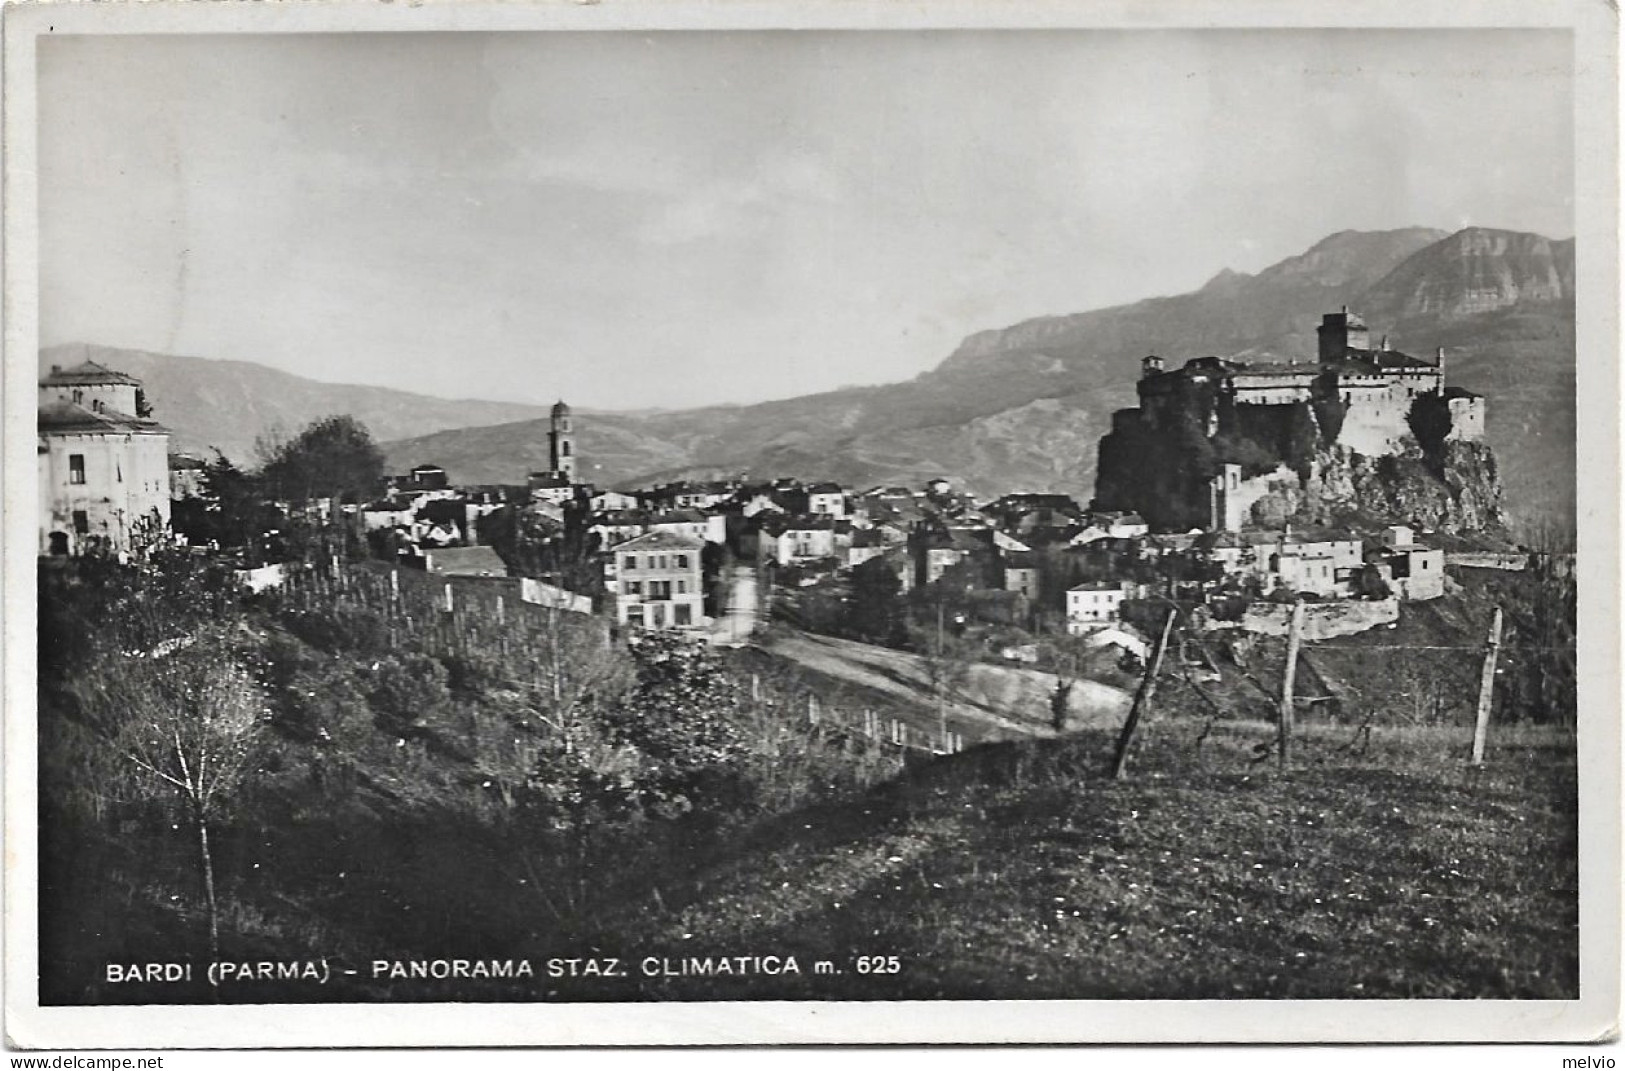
661	541
466	561
69	417
84	374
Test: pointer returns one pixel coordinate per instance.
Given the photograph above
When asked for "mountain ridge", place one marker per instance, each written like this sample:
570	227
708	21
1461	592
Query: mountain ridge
1023	407
209	403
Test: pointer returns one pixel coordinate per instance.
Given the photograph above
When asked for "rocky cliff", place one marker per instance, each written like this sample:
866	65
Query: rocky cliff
1456	491
1295	471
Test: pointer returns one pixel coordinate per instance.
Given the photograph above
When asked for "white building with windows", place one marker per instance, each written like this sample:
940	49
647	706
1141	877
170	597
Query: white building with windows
103	463
658	582
1092	603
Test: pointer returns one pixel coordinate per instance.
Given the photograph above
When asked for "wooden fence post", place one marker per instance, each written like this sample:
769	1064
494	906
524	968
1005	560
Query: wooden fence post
1294	638
1486	691
1142	695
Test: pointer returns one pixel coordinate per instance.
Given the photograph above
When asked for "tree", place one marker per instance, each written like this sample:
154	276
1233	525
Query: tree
240	514
876	610
184	718
1303	438
682	714
334	457
1429	421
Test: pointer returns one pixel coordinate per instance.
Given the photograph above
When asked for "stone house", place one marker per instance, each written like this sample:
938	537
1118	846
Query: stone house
1413	571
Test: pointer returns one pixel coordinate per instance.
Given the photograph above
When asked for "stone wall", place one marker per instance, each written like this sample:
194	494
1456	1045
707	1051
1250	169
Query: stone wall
1322	620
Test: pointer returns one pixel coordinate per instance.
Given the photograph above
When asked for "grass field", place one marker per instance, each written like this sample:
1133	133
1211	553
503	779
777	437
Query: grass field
1021	870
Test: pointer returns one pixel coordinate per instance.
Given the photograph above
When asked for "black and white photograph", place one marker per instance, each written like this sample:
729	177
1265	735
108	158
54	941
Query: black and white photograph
605	509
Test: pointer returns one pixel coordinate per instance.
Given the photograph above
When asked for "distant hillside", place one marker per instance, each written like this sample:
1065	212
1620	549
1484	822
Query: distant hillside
227	404
1024	407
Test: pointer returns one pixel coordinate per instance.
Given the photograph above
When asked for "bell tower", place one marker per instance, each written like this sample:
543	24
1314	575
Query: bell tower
561	448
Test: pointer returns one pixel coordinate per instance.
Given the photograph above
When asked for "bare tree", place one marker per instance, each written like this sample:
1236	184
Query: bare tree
183	718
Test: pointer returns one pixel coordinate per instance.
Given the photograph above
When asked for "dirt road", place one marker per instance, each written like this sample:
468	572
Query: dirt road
1000	700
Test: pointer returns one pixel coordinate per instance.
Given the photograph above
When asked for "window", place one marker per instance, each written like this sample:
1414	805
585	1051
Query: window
682	561
682	614
660	589
682	587
78	397
564	448
81	522
629	561
76	468
634	587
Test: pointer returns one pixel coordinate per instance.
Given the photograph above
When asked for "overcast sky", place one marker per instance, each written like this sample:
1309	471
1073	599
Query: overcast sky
631	220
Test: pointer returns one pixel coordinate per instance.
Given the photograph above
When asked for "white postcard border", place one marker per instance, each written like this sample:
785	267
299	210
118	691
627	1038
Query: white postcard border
442	1025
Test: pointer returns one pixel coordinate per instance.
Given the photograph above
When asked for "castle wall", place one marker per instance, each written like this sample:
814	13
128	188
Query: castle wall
1233	498
1274	389
1466	420
1379	409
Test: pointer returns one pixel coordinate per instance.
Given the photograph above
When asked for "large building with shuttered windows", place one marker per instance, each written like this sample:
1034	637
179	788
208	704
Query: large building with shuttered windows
658	582
103	463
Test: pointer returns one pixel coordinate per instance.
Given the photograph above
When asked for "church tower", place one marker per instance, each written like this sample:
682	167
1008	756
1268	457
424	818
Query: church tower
561	449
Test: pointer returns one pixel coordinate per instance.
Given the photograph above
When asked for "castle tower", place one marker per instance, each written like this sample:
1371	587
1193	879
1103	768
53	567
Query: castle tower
1340	332
1150	366
1224	500
561	450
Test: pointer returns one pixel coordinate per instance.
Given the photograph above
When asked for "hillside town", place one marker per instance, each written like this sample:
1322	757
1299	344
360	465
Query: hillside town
710	558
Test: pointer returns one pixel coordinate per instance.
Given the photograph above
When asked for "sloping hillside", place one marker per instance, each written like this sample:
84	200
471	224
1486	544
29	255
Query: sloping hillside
1022	871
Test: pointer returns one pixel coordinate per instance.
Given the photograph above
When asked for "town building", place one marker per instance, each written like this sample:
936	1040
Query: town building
1092	603
103	463
1414	572
826	500
612	501
550	487
658	582
795	540
425	477
1021	574
188	476
707	528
